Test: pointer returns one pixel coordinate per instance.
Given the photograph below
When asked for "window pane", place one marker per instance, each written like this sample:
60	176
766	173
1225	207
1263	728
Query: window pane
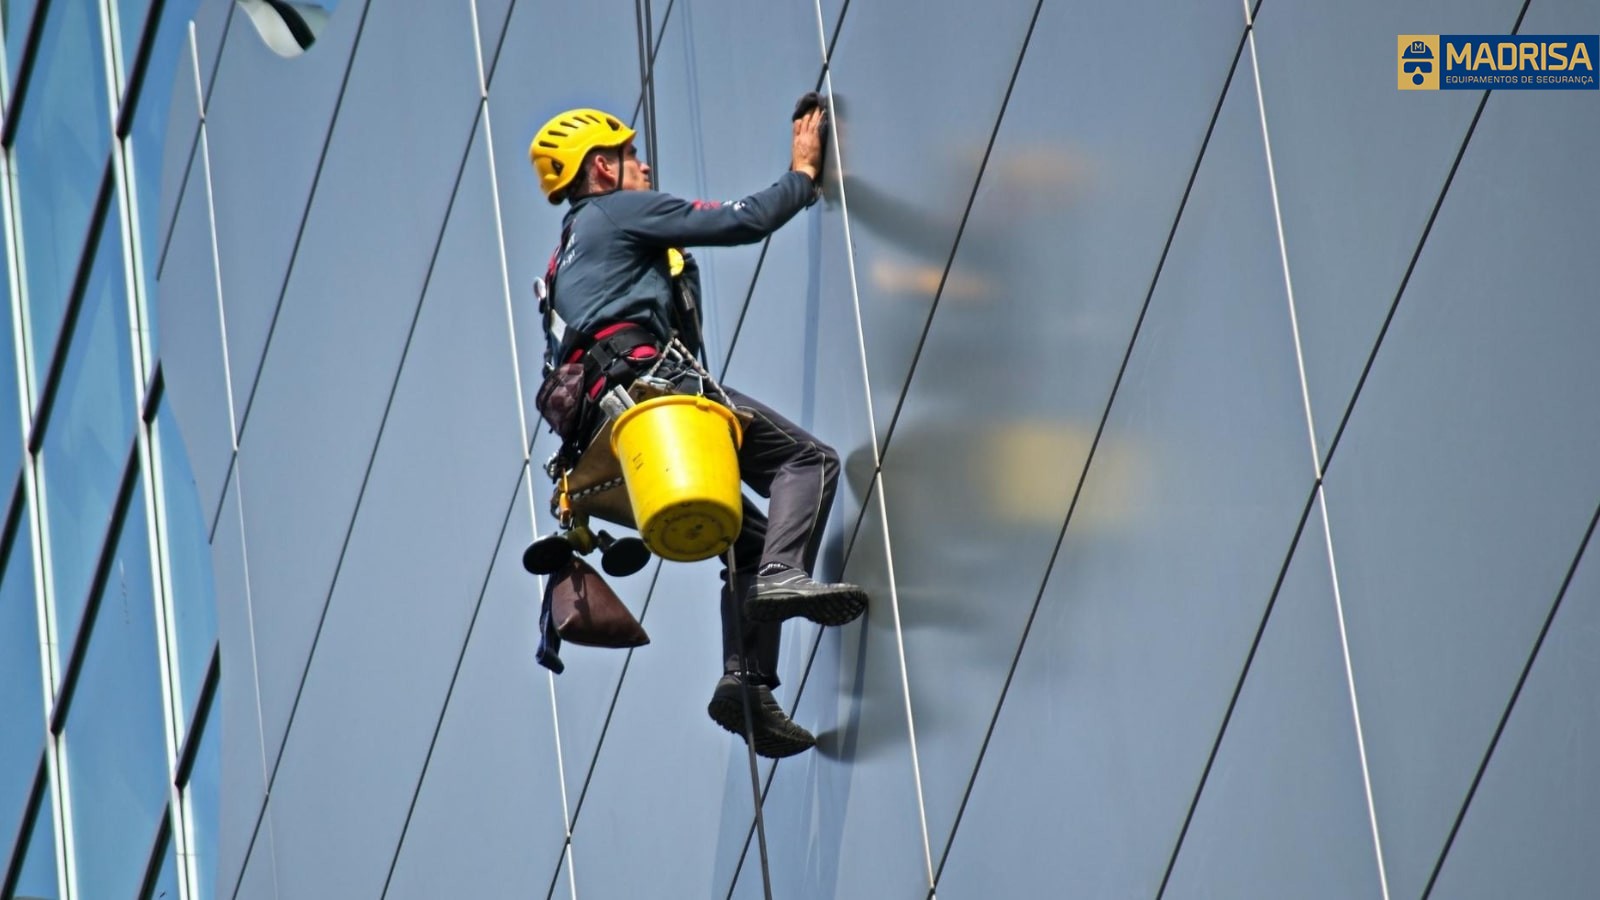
14	17
116	750
88	436
203	793
149	133
38	880
166	886
130	17
188	558
21	686
61	148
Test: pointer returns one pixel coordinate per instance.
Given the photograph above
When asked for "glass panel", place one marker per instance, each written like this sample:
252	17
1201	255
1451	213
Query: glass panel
61	147
202	796
1174	547
21	685
298	495
188	555
15	17
1359	165
130	18
1283	812
166	885
147	137
39	880
1058	251
455	352
114	736
495	758
1465	479
89	432
1530	831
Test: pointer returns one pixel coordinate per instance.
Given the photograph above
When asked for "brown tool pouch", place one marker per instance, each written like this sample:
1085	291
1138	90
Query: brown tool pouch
563	401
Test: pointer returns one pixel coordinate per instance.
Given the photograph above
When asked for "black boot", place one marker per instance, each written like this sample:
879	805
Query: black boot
775	734
782	593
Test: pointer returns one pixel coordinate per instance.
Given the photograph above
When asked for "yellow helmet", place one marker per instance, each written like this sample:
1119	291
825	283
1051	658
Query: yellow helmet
560	146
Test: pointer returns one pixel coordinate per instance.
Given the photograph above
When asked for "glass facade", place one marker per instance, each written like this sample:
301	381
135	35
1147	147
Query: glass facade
107	610
1222	483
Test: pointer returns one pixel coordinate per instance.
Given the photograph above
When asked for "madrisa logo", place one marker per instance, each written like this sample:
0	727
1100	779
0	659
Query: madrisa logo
1430	62
1419	62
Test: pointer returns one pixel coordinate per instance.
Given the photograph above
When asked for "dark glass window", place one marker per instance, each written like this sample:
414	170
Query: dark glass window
89	433
62	144
116	751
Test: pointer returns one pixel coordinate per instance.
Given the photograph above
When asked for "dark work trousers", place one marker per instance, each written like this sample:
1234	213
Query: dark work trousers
798	475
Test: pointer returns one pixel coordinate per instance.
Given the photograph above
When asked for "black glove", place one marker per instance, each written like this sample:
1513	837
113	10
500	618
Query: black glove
809	101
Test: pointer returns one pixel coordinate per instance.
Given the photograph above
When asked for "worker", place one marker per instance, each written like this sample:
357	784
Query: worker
611	283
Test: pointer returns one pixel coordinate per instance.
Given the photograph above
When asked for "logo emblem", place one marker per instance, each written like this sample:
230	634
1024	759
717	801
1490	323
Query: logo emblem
1419	62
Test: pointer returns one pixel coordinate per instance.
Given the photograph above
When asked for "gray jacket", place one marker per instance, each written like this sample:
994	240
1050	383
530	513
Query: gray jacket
612	266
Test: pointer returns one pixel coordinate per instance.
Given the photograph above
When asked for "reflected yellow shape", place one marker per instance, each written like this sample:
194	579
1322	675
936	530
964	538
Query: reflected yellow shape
1037	464
923	280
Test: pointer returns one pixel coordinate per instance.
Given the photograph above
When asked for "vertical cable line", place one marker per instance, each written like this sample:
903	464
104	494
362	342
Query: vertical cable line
877	464
477	50
1505	715
366	477
505	274
1094	445
1311	431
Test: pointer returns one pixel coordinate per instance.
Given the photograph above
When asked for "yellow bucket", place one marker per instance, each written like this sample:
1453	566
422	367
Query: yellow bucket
680	460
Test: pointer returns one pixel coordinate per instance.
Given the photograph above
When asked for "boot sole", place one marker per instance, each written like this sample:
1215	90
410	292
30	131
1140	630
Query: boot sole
830	608
729	713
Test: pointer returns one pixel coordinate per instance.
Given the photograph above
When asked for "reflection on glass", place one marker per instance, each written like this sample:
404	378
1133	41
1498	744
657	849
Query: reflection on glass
87	439
166	884
38	880
147	137
15	17
188	556
116	750
288	28
21	685
62	145
203	796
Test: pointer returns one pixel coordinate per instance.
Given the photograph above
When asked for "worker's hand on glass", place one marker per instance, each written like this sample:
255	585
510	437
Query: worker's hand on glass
807	147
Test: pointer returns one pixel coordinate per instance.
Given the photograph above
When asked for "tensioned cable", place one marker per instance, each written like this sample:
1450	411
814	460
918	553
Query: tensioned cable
1311	431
